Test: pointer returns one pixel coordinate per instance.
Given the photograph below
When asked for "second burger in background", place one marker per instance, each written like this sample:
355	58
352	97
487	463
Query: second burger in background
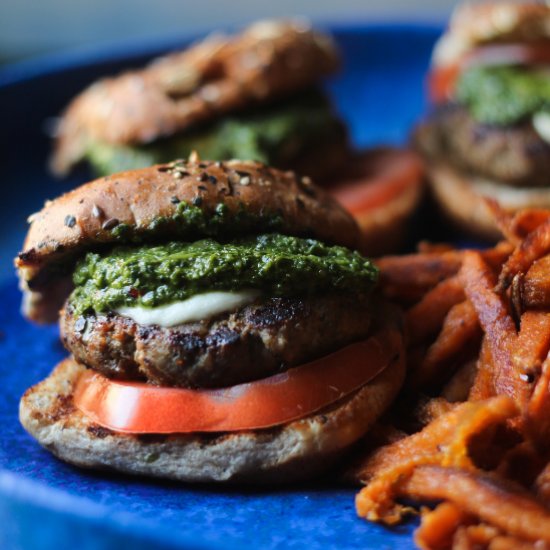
253	95
489	133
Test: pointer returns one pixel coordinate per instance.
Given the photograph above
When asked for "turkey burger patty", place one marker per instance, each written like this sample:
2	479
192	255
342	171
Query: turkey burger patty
258	340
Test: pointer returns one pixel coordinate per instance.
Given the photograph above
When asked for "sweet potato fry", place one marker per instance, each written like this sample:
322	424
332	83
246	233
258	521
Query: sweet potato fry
458	338
425	318
496	256
437	528
504	220
501	503
533	344
408	278
534	246
535	287
502	542
526	221
542	485
483	386
444	442
538	409
469	537
497	323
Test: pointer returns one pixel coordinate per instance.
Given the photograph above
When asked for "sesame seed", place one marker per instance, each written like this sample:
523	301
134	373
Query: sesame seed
111	223
97	212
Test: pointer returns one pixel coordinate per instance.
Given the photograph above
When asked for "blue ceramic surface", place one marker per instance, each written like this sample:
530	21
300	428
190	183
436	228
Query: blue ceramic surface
46	504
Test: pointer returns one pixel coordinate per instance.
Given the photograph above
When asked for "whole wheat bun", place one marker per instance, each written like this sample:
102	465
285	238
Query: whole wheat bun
127	207
461	198
221	74
481	23
298	450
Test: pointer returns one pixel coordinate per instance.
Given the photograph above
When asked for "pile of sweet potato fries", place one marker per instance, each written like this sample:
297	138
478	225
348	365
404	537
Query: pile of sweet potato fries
471	430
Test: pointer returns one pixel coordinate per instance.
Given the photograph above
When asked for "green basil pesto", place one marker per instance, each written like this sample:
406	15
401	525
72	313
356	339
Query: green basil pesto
504	95
190	222
275	135
275	264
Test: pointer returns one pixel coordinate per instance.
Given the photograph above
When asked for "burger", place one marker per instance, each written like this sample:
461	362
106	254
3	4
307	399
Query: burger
252	96
221	326
489	132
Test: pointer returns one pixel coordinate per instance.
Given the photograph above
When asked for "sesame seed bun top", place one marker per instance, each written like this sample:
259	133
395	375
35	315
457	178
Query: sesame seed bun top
180	200
476	24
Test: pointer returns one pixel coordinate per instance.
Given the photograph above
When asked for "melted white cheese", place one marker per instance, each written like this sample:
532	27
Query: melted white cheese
196	308
541	122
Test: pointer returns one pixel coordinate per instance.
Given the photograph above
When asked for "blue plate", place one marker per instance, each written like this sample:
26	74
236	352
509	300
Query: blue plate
46	504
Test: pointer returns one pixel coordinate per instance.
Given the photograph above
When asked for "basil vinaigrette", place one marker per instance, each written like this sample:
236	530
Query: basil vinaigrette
274	264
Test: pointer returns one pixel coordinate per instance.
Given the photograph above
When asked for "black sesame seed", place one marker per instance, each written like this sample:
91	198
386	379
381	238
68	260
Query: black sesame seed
212	179
201	188
203	177
111	223
70	221
174	200
197	201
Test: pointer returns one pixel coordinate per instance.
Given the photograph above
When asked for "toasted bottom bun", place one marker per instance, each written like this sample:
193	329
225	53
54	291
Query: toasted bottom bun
298	450
462	200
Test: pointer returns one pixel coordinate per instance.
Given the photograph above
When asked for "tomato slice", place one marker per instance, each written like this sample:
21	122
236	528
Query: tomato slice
376	177
130	407
442	79
442	82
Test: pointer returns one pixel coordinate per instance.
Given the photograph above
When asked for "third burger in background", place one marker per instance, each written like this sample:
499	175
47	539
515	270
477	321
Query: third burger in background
489	134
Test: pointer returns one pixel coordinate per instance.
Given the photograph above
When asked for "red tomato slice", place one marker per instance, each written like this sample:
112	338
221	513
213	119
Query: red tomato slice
130	407
442	79
376	177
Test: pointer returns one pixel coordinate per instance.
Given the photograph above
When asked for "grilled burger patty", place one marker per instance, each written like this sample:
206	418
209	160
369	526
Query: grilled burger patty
254	342
515	155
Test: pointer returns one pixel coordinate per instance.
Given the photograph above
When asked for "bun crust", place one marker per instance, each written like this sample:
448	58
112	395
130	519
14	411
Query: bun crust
474	24
461	198
215	76
298	450
127	207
